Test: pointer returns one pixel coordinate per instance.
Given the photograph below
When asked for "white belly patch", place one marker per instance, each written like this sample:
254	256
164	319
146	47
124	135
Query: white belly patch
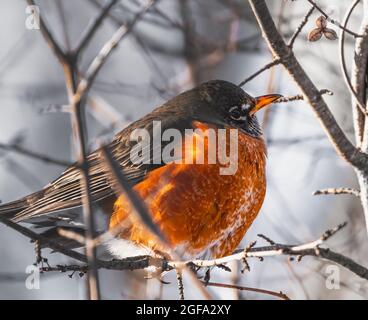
121	249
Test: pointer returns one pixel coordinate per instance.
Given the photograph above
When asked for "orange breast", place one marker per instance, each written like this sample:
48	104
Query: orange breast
202	212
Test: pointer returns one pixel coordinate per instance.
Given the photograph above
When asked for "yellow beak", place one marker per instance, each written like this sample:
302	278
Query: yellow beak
263	101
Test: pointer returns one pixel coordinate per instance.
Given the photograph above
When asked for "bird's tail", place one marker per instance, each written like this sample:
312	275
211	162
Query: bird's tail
50	227
10	209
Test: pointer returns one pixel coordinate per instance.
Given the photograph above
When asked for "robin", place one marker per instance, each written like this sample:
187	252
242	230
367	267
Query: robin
203	212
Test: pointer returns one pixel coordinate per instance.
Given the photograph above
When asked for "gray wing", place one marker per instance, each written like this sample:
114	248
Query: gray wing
66	193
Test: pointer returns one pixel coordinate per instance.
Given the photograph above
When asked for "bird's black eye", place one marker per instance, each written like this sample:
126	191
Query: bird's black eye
236	113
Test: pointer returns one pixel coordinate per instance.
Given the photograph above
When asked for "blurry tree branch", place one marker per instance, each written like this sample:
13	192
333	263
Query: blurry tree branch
55	47
93	27
300	27
77	90
273	63
277	61
13	147
105	52
190	44
34	236
358	101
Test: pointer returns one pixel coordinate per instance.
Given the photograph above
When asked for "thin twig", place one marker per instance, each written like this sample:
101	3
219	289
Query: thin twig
336	23
105	52
72	235
271	242
335	191
190	51
358	80
93	27
179	279
46	242
18	149
140	262
59	53
362	107
300	27
301	97
277	45
273	63
242	288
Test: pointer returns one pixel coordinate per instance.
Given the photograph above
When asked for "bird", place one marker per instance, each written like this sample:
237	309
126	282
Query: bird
202	212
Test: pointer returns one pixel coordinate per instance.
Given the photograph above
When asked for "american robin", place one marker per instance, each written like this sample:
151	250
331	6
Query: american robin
202	211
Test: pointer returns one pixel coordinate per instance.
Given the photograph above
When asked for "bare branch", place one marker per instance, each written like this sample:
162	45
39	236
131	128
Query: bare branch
72	235
105	52
309	249
93	27
258	290
78	126
336	23
59	4
359	82
335	191
300	27
140	262
279	48
18	149
301	97
79	90
45	241
179	279
59	53
190	46
276	249
257	73
271	242
358	100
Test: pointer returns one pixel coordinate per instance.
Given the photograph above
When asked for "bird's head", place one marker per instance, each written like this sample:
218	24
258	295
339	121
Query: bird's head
228	104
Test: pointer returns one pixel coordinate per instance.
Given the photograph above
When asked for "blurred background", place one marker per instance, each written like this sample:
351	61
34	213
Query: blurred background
178	45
